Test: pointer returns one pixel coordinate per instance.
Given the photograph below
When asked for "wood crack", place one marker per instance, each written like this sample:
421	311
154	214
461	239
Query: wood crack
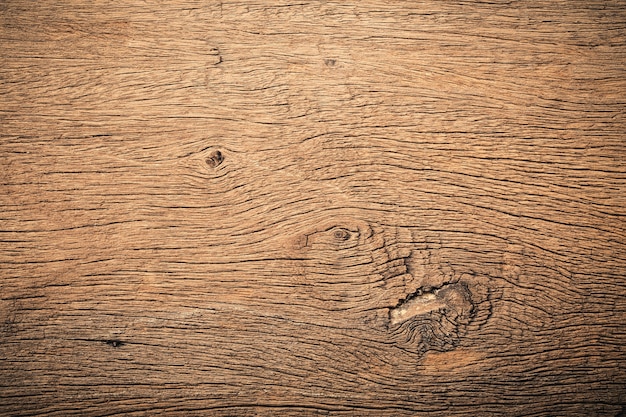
422	301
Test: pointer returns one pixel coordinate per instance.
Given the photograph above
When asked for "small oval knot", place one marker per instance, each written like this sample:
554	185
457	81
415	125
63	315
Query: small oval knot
341	234
214	159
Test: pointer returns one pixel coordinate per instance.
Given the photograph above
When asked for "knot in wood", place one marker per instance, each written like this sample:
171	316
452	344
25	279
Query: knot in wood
214	159
341	234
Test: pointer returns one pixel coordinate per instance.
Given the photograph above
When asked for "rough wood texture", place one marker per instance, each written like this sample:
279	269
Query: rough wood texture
274	208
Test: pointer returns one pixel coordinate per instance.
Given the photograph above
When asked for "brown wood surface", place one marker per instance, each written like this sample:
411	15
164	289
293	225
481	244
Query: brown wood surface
313	208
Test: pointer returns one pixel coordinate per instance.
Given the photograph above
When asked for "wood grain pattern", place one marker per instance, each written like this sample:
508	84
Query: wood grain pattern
315	208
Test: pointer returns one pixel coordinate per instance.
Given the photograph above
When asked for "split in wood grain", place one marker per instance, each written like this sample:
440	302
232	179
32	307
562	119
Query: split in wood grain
420	302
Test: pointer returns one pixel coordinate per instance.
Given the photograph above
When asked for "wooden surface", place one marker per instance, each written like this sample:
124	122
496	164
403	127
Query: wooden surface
271	208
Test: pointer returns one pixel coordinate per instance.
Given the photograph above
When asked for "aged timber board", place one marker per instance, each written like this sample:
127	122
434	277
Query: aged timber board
311	208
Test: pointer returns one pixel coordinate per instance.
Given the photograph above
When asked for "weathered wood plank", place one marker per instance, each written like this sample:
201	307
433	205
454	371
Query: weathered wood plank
271	208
